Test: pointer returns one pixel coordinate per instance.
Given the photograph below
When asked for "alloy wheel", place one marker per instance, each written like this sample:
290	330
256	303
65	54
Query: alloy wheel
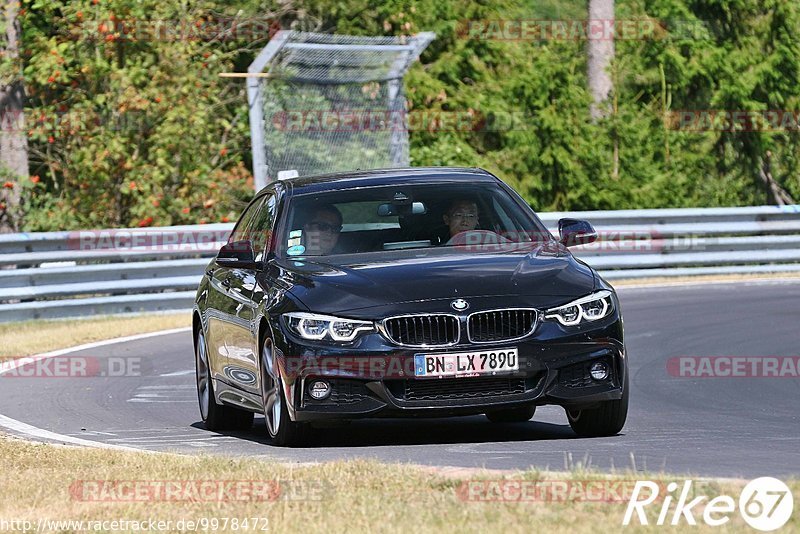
270	390
203	391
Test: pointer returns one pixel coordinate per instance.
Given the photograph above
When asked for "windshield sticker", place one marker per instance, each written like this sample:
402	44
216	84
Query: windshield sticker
296	233
293	241
295	250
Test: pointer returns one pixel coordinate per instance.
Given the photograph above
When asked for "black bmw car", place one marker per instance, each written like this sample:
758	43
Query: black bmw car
404	293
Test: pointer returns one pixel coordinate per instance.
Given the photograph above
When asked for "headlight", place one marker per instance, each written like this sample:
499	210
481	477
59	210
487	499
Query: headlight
317	327
589	308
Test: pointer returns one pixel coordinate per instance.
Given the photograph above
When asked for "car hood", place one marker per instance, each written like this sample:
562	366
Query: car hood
547	276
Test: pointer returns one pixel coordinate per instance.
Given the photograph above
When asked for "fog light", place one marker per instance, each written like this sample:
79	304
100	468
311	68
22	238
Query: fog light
319	389
599	370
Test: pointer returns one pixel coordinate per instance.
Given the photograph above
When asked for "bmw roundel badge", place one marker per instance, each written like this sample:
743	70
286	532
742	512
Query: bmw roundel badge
459	304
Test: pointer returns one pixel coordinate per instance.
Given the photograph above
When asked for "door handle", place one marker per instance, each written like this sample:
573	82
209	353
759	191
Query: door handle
210	273
226	282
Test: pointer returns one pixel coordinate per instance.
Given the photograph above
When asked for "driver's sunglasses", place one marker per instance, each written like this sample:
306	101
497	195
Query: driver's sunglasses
323	227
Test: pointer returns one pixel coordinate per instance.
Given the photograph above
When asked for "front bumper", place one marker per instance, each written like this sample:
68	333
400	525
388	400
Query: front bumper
378	381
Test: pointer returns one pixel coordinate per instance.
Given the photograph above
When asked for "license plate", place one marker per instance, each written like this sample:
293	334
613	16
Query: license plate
484	362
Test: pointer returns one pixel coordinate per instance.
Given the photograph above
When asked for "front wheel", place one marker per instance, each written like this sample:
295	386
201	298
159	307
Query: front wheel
605	420
215	416
281	429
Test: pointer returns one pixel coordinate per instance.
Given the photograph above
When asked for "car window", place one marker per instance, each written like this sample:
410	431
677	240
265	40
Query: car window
242	229
262	225
419	216
362	215
507	221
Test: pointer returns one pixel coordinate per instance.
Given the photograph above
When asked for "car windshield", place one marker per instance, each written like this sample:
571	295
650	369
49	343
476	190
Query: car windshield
448	216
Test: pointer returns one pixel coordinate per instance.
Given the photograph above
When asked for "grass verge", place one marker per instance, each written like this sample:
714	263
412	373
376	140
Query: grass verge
34	337
704	279
74	484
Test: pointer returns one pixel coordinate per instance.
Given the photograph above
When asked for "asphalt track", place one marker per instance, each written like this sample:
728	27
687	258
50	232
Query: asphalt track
730	427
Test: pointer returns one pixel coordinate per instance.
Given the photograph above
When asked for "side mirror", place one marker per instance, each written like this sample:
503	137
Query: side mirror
576	232
238	255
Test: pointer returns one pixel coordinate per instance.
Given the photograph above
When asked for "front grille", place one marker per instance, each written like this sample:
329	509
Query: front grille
501	325
418	330
461	388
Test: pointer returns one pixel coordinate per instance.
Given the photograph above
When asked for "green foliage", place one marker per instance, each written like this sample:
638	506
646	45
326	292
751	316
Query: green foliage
127	130
714	55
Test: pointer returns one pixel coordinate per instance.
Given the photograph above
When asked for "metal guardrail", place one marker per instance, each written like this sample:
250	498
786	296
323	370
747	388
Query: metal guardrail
66	274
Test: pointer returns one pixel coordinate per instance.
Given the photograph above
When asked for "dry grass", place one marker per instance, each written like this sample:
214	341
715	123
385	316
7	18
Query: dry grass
350	496
34	337
717	278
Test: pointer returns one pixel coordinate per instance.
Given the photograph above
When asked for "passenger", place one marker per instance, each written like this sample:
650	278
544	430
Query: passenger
321	230
461	216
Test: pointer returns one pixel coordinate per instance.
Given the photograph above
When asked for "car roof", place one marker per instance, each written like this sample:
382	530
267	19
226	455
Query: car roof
365	178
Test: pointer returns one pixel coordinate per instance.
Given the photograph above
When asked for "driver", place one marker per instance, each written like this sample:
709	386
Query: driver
322	230
461	216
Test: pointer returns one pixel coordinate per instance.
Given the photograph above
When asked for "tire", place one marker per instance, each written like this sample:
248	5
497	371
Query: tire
238	419
512	415
605	420
215	416
281	429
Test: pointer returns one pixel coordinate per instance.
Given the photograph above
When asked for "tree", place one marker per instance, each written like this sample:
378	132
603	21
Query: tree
130	124
601	53
13	141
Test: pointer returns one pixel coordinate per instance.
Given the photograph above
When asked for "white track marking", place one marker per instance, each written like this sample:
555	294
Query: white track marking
156	401
157	439
178	373
41	434
161	430
19	427
163	394
170	387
